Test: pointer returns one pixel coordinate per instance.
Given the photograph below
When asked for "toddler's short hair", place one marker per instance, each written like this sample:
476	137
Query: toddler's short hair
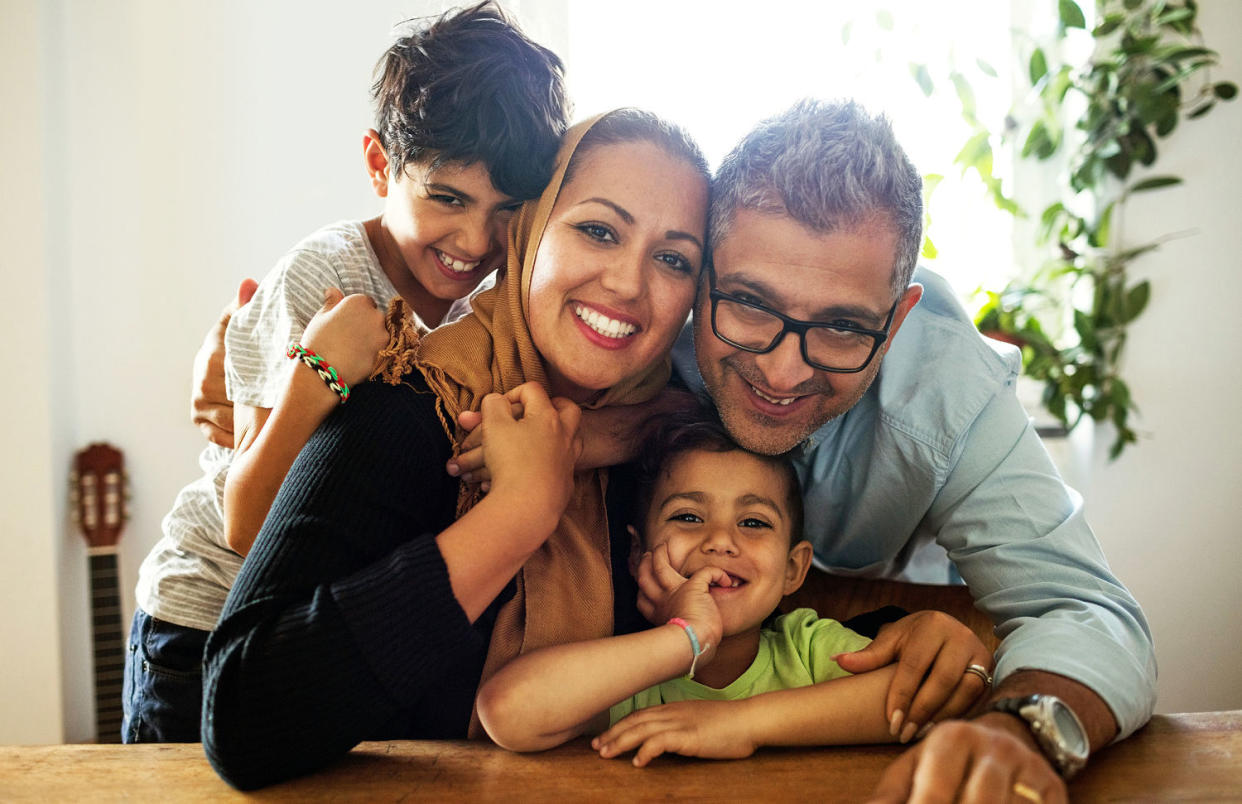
700	428
471	87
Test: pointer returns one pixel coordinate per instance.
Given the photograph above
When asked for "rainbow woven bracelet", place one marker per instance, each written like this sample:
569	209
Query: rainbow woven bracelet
326	372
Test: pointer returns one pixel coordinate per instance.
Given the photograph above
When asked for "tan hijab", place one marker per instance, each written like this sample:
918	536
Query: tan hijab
564	591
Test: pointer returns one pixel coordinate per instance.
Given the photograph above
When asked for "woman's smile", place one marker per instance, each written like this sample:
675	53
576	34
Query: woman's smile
617	268
605	328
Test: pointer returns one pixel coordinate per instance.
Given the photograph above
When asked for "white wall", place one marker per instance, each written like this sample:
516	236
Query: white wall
31	707
1169	511
154	152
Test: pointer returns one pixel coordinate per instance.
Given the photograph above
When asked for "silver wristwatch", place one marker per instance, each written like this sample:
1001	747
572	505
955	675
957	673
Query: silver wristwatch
1057	730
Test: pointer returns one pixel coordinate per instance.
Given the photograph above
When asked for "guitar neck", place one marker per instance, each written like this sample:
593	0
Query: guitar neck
108	642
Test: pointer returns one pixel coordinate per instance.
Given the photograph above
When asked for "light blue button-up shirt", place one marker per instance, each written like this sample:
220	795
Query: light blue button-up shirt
937	476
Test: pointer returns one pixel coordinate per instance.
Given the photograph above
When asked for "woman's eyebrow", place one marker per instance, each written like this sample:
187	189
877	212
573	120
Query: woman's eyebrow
671	234
621	211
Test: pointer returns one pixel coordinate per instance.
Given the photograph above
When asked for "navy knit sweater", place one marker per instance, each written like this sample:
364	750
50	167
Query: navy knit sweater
342	625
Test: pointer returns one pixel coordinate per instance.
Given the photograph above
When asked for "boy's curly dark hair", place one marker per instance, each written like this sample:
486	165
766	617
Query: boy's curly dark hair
699	428
470	87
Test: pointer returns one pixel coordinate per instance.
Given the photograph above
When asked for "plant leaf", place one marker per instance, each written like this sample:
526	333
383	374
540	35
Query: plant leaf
1201	111
1154	183
985	68
1136	301
1038	66
1071	14
1111	23
965	94
922	78
1225	90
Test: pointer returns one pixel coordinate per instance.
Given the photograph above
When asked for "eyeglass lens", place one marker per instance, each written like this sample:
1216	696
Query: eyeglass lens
755	329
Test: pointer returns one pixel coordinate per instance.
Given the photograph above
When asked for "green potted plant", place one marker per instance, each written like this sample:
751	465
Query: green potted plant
1070	314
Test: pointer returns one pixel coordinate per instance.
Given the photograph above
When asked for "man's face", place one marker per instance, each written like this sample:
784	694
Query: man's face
772	402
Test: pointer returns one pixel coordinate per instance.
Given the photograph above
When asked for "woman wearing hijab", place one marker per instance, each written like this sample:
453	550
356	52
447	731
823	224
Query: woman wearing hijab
378	592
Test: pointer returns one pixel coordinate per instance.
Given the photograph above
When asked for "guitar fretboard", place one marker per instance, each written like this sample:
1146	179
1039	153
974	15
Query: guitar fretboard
108	642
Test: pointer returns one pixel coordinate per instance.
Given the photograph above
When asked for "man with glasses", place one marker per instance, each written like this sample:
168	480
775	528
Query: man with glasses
815	335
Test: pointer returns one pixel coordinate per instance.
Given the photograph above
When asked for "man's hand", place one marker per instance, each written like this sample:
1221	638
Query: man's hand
933	651
712	729
990	759
210	408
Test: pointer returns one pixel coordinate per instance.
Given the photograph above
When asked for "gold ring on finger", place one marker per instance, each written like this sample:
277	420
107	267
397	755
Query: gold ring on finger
1027	792
982	672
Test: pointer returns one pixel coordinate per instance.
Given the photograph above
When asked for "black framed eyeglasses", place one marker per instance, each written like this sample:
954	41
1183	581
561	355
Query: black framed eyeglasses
752	327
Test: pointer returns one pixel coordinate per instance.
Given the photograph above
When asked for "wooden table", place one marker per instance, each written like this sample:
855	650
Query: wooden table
1176	757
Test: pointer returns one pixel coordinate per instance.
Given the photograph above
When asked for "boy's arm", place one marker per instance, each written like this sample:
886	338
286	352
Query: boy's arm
837	712
548	696
551	695
349	330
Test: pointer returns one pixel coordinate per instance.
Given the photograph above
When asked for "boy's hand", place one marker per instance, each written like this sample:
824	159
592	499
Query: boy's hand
931	644
664	593
532	457
348	332
711	729
210	408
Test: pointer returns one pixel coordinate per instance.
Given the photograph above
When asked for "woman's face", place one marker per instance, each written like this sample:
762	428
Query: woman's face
617	268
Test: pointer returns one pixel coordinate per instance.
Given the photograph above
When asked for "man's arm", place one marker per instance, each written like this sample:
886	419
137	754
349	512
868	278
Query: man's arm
1070	629
1018	537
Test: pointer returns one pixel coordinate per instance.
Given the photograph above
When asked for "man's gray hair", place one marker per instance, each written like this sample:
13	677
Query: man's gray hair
829	166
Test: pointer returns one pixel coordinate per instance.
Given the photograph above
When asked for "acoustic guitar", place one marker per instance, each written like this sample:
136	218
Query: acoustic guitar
97	496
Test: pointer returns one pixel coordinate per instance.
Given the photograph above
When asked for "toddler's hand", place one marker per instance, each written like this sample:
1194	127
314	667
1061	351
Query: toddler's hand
664	593
713	729
347	332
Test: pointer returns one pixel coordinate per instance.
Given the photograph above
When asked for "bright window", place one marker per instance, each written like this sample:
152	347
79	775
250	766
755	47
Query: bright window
718	67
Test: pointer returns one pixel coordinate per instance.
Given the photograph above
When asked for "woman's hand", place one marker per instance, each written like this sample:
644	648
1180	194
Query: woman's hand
712	729
664	593
532	456
931	644
347	332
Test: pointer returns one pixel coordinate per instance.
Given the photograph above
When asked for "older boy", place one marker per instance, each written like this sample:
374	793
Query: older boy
469	115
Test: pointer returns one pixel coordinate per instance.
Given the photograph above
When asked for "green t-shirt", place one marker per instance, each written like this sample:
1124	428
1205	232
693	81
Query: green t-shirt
795	653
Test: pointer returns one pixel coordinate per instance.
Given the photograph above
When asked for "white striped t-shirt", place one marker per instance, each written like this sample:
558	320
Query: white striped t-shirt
187	575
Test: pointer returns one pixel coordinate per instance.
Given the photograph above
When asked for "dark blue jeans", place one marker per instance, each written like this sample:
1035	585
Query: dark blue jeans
163	689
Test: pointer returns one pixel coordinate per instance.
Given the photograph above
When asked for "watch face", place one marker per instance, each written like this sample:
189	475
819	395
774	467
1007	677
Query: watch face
1069	728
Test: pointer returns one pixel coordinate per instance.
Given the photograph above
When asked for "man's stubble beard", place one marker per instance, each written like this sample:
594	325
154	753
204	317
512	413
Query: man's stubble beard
768	435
